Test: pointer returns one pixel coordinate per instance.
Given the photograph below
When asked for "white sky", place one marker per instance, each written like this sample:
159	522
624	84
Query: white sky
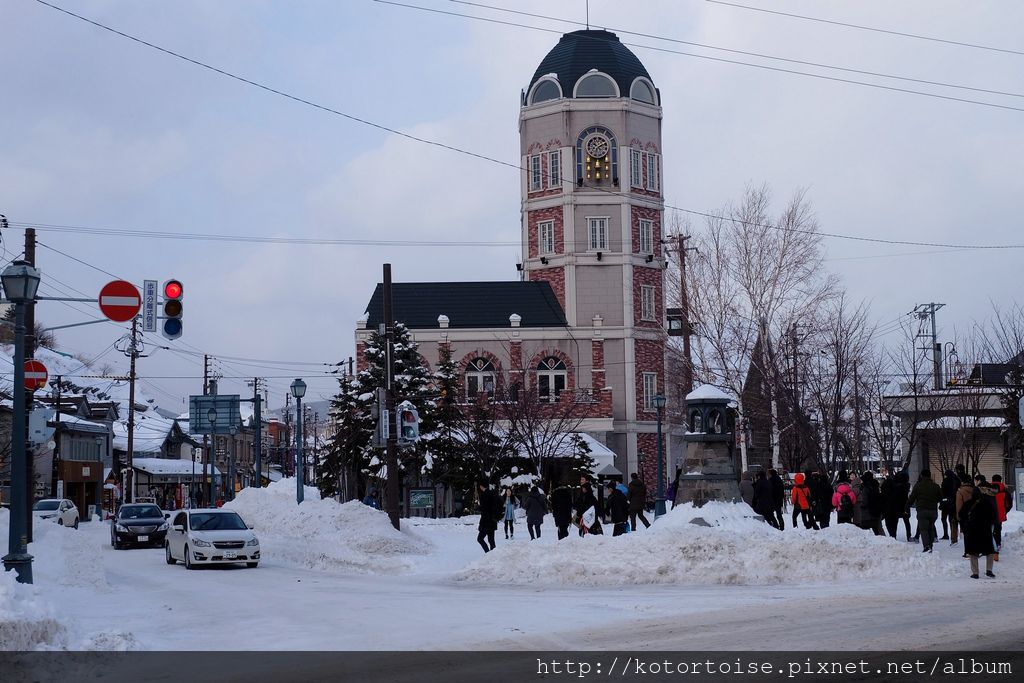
98	131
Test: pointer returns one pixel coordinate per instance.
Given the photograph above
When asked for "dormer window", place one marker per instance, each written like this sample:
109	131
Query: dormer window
643	91
596	84
545	90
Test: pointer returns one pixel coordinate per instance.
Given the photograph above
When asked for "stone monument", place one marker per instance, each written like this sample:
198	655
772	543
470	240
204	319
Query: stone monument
709	466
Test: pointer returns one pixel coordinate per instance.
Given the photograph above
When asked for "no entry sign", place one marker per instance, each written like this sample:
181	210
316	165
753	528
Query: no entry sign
120	301
35	375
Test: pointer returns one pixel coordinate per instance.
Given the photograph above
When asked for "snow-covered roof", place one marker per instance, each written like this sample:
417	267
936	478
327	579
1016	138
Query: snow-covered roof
82	425
708	392
953	422
168	466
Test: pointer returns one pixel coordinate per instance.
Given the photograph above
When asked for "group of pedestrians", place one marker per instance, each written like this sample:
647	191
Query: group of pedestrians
811	498
621	506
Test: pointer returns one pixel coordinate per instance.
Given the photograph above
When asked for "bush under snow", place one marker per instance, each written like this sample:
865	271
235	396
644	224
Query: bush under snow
325	534
736	548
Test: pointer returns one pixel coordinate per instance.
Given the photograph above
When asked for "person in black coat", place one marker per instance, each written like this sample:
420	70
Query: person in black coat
821	495
870	502
584	502
490	512
895	490
778	497
947	506
617	506
976	519
764	499
561	509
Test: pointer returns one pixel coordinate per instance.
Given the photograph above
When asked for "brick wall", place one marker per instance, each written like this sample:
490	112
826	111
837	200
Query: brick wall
555	277
650	357
649	277
654	215
553	213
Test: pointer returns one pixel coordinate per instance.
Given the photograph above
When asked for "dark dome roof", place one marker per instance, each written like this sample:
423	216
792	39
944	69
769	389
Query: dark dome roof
580	51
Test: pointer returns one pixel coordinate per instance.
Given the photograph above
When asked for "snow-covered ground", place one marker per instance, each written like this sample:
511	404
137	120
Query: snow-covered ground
339	577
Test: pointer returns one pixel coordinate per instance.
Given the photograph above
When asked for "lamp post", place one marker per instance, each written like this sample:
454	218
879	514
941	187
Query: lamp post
20	282
211	416
659	505
298	391
230	493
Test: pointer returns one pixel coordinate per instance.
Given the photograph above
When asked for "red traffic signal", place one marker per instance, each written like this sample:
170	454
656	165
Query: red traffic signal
173	289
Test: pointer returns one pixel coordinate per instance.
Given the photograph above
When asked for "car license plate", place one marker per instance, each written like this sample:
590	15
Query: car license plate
230	554
143	539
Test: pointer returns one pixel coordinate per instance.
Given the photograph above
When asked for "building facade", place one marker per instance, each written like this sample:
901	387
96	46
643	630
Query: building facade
585	322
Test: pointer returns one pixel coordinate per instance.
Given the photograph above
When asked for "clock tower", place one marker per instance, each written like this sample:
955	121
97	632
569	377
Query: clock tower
592	221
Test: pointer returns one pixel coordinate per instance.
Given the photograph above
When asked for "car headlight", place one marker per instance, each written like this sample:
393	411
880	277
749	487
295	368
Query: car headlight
253	541
164	527
120	528
200	543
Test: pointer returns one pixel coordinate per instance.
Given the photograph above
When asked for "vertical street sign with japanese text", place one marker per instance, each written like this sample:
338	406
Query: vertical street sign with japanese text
149	296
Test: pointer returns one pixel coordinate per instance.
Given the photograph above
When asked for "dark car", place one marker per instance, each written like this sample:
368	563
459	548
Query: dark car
138	524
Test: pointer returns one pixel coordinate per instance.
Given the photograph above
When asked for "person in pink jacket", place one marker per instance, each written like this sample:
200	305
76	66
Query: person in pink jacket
844	500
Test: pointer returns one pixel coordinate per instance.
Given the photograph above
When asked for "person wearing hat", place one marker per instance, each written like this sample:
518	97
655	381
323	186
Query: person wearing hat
844	500
801	500
617	506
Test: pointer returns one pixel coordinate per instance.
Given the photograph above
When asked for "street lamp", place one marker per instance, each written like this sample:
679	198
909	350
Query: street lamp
298	391
230	493
211	416
659	505
20	282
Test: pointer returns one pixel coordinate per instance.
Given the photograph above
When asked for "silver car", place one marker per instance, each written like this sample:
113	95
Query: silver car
211	536
59	510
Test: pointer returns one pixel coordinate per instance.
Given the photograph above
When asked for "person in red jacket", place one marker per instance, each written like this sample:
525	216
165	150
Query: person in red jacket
997	528
844	500
801	500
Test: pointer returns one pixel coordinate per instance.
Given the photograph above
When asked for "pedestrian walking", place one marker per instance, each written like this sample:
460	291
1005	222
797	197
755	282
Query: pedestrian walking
963	494
672	491
536	507
561	509
588	511
764	499
637	499
801	499
778	497
895	491
977	515
844	500
617	507
747	489
870	503
925	498
947	507
490	513
821	499
1002	507
510	502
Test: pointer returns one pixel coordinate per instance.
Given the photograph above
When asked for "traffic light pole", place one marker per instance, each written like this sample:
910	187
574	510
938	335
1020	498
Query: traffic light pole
391	489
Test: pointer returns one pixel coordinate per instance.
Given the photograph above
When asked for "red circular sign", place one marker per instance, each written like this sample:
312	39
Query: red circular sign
35	375
120	301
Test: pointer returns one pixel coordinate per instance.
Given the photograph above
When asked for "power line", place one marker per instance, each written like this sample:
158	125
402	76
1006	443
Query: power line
760	55
868	28
483	157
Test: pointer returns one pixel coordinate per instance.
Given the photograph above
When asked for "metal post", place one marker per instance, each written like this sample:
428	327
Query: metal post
130	474
299	482
229	490
391	489
212	457
659	506
29	351
257	400
17	557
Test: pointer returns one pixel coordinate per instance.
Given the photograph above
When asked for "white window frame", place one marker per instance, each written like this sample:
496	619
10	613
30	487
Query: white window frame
553	377
650	383
653	172
536	174
646	236
648	305
599	223
554	168
546	243
479	378
636	168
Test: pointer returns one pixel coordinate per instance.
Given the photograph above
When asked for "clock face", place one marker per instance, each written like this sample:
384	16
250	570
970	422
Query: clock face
597	146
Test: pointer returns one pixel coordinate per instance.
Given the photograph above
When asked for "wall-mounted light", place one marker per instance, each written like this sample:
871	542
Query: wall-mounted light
519	267
650	258
599	255
544	260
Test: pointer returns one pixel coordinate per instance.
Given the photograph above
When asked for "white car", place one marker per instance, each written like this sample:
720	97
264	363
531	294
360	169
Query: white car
59	510
211	536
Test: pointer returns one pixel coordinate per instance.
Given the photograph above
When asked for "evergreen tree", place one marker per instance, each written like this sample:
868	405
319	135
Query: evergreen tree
580	461
451	464
347	453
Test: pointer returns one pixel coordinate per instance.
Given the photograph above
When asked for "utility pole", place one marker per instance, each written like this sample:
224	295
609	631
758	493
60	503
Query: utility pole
858	446
258	441
132	353
203	490
924	311
684	305
30	352
55	476
391	488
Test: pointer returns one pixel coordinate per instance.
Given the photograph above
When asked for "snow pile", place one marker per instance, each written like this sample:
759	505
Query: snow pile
69	557
735	549
324	534
26	620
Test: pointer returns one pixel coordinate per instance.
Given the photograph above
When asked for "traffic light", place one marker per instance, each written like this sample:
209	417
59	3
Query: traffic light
408	423
172	309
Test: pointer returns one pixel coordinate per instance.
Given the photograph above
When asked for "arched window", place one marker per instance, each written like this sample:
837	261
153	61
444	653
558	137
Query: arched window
479	378
643	91
544	90
551	379
696	422
716	423
596	84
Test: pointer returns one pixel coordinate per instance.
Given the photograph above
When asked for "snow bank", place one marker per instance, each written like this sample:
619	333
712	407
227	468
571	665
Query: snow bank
26	619
324	534
69	557
735	549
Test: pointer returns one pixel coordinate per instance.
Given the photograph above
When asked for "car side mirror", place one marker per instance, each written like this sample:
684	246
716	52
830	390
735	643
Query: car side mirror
178	527
250	526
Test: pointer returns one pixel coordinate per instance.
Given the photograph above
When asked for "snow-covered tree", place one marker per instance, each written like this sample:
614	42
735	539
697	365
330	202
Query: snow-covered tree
451	464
